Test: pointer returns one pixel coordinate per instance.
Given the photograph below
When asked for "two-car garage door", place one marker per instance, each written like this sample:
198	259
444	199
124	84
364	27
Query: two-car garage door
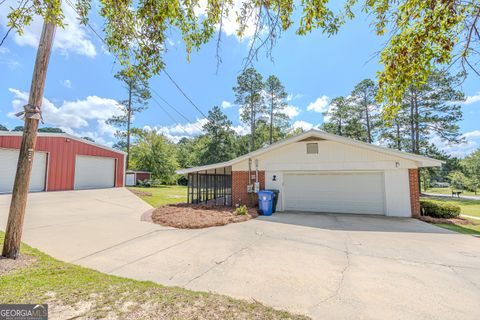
335	192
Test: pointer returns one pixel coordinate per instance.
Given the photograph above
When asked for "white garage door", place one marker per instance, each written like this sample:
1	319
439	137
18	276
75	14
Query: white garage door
94	172
8	168
345	193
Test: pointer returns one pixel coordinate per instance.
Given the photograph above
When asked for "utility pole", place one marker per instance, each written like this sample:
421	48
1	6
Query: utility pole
129	120
32	114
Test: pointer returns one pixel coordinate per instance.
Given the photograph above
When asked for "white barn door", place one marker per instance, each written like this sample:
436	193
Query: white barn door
94	172
8	168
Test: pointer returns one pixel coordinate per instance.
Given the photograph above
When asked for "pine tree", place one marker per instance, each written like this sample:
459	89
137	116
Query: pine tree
219	138
248	94
138	94
275	96
363	101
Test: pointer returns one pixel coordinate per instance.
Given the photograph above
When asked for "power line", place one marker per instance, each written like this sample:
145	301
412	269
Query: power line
183	93
153	90
164	70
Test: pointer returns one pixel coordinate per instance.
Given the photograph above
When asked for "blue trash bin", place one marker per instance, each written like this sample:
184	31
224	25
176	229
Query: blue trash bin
265	202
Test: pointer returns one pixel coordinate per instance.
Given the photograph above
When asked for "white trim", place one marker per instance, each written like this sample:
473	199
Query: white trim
63	135
421	160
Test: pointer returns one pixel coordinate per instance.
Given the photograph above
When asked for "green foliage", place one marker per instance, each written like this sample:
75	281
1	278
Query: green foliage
50	129
18	128
365	109
88	139
438	209
471	166
153	152
3	128
248	94
242	210
219	138
457	180
275	96
423	34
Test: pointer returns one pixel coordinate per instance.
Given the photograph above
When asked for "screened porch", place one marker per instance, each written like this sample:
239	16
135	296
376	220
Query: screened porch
213	186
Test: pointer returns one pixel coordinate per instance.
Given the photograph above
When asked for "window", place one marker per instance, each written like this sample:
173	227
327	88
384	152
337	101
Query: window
312	148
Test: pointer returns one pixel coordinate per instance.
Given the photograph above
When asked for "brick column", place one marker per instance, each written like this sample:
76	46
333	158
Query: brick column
239	188
414	192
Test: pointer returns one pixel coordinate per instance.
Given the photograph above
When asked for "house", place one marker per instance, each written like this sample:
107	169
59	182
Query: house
319	172
62	162
133	176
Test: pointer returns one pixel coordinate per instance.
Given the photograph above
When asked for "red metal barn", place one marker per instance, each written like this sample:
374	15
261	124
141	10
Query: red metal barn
62	162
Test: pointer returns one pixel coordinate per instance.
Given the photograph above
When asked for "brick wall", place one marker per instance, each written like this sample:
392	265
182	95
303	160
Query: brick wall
239	187
414	192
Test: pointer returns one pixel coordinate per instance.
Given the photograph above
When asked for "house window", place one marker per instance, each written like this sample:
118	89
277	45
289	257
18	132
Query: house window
312	148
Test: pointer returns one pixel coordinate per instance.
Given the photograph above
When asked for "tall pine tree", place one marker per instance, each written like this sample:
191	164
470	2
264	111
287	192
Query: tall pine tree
275	96
248	94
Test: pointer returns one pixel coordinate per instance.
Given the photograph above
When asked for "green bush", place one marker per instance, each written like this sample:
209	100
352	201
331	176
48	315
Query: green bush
242	210
439	209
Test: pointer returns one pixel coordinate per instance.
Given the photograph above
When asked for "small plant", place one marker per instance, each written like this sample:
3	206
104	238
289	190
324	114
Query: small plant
439	209
242	210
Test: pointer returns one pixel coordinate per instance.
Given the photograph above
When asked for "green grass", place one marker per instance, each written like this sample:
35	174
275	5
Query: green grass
449	191
164	195
468	207
466	229
94	295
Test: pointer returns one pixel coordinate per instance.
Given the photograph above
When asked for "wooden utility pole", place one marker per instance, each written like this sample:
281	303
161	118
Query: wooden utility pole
32	114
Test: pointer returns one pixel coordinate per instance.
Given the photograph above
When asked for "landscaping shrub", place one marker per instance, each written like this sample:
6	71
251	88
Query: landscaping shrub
242	210
439	209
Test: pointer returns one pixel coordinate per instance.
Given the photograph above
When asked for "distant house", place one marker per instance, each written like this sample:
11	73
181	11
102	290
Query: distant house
62	162
316	171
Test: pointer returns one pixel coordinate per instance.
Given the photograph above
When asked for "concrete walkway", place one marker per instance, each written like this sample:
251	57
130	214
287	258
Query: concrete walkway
328	266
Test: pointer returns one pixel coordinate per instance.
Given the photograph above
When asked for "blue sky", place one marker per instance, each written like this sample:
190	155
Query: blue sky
81	92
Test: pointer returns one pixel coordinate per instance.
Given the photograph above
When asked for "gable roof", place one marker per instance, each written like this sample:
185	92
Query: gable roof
63	135
421	160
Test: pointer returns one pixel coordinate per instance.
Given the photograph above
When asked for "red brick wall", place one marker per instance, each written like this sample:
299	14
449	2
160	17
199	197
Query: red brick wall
414	192
239	187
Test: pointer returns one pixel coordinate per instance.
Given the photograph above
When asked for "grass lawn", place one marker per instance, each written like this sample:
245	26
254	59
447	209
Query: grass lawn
448	191
76	292
164	195
468	207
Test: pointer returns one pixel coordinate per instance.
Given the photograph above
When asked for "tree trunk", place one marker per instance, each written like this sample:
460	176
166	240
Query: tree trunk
412	126
271	121
13	234
417	126
129	120
399	145
367	116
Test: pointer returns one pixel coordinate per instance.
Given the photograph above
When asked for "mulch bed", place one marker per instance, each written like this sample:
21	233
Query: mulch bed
141	193
458	220
188	216
9	265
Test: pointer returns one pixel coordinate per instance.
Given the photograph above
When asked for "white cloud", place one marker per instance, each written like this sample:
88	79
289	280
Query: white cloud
472	143
320	105
80	117
229	23
67	84
292	96
226	104
291	111
304	125
472	99
178	131
72	38
241	129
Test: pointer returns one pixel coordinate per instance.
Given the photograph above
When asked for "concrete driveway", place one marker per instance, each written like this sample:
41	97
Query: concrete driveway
328	266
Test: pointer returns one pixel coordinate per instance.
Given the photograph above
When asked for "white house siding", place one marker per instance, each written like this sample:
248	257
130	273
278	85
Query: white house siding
331	157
